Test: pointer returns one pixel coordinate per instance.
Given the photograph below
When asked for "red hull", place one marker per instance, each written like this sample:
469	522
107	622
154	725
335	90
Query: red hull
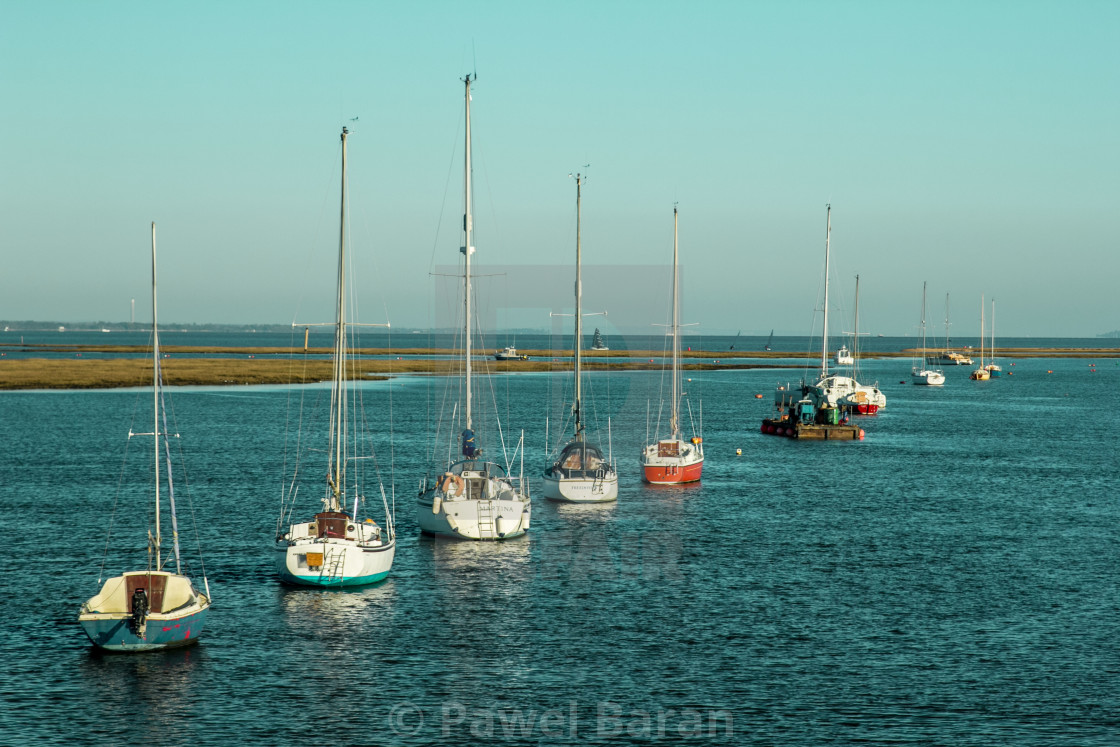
672	475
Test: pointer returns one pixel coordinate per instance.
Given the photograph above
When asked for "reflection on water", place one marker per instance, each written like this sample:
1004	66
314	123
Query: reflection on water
338	608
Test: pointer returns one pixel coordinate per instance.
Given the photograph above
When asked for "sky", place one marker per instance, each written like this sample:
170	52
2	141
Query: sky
972	146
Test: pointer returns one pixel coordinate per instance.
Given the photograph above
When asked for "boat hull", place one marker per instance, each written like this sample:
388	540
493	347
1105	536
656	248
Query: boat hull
812	431
112	632
471	519
333	564
581	489
928	378
672	462
107	618
672	474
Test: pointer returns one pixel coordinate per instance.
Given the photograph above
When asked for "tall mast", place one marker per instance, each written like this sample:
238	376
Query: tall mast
467	249
923	320
981	330
577	405
155	396
855	338
824	333
338	430
674	417
946	321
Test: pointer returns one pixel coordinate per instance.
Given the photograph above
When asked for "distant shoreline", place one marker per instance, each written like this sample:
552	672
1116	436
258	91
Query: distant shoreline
189	366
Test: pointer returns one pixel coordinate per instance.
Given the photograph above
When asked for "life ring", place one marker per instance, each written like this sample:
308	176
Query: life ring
448	479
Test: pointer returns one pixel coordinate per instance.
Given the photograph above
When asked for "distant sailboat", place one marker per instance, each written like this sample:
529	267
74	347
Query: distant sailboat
769	340
152	608
671	460
923	374
949	357
831	390
581	472
993	368
597	341
981	373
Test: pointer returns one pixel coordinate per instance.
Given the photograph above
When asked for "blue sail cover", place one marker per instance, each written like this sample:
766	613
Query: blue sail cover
469	449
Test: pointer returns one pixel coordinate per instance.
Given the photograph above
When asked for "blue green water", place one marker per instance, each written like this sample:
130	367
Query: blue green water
952	579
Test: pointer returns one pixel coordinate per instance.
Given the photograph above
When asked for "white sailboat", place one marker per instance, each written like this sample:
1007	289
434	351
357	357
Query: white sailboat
671	460
581	473
833	390
922	373
949	357
334	548
981	373
472	498
152	608
994	368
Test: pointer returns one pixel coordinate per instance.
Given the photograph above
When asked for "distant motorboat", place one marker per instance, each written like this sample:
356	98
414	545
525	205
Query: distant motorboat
509	353
844	356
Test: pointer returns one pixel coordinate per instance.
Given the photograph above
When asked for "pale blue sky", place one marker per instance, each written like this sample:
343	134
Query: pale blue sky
973	145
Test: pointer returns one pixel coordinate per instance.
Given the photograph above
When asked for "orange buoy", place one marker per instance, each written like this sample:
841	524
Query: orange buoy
861	434
758	396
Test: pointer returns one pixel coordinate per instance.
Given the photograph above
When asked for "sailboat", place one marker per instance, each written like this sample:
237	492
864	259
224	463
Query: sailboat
769	340
671	460
923	374
981	373
994	369
152	608
581	473
830	390
472	497
949	357
597	341
334	548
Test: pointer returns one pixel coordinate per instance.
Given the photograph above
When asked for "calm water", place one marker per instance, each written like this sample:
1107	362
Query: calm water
951	580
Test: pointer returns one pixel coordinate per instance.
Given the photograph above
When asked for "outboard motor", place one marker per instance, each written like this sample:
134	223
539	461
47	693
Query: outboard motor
139	611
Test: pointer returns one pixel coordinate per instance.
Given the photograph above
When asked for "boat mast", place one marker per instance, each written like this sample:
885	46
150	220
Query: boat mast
923	321
824	333
946	322
577	405
338	420
155	397
467	249
674	417
855	338
981	330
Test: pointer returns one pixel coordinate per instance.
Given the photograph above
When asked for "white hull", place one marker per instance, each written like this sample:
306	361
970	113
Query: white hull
844	391
473	501
334	562
472	519
927	378
582	489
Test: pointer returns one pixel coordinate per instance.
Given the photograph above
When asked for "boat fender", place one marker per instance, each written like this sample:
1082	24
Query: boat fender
437	503
861	434
450	478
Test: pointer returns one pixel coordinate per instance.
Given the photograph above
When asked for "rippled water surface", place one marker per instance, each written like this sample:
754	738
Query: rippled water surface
952	579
